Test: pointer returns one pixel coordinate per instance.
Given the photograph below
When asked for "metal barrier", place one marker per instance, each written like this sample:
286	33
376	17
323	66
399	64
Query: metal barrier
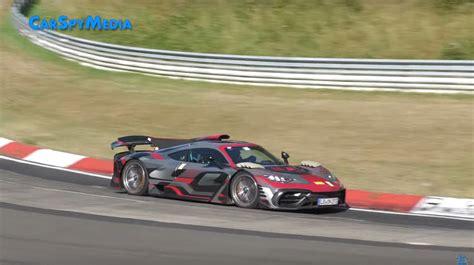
439	76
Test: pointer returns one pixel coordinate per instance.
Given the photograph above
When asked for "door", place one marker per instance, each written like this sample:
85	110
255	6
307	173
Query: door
203	172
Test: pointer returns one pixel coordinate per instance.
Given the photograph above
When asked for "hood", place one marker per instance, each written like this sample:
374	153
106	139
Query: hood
287	169
317	179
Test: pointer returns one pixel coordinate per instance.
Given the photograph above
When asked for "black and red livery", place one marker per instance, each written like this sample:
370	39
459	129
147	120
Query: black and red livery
218	170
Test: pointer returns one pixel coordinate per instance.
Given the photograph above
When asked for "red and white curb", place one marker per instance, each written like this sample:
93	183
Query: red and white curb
54	158
361	200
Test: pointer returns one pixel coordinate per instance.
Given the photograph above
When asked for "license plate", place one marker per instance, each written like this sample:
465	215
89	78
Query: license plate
328	201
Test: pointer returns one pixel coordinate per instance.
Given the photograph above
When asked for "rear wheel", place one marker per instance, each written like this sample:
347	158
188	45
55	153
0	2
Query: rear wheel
135	178
244	191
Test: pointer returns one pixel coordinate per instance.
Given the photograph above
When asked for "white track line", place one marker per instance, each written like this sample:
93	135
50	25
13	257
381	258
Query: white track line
418	243
56	168
411	214
76	192
351	209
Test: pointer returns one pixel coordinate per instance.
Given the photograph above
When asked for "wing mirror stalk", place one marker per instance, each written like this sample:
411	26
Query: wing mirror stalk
285	157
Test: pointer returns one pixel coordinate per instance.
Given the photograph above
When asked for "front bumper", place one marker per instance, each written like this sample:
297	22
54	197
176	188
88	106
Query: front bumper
303	199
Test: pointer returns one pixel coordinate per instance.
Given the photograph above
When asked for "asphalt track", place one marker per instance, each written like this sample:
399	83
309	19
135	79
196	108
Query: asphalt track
57	217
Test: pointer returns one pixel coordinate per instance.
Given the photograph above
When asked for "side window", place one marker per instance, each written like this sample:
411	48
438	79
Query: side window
201	155
180	155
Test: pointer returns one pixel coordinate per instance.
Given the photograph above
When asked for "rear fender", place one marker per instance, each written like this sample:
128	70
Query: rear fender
120	160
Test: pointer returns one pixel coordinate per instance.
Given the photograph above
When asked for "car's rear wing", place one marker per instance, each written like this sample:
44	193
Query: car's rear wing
132	141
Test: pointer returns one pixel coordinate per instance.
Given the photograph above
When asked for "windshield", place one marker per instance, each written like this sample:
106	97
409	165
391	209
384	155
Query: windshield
253	154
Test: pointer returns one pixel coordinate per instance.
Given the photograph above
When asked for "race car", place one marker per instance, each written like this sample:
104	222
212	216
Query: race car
218	170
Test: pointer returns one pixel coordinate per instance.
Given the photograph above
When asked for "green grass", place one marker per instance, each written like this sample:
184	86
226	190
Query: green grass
392	142
435	29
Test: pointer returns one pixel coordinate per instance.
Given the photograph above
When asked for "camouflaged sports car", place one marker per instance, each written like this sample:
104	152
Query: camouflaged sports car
215	169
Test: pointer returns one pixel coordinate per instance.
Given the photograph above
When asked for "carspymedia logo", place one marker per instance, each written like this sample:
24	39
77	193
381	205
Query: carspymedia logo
462	260
88	23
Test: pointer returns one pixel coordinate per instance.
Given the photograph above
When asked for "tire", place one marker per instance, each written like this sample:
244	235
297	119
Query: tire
244	191
135	178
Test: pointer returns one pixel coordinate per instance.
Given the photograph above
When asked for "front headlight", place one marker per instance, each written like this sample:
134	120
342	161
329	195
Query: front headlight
331	178
279	179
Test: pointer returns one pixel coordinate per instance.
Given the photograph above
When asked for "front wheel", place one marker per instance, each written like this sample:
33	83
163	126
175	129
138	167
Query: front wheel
135	178
244	191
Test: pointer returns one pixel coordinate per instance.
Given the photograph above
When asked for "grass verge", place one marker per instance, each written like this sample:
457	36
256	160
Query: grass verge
392	142
317	28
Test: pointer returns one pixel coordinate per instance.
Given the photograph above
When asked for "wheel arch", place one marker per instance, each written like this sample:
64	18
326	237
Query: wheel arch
252	176
139	161
240	170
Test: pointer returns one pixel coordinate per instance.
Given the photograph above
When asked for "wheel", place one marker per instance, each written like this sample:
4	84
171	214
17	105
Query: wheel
135	178
244	190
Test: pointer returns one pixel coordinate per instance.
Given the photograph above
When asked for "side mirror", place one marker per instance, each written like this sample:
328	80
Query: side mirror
215	163
285	157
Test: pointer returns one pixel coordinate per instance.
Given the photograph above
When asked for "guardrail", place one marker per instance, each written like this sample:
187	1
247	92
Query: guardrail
439	76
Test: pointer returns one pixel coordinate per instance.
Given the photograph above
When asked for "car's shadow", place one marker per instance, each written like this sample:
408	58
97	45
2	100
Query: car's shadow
315	211
333	210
